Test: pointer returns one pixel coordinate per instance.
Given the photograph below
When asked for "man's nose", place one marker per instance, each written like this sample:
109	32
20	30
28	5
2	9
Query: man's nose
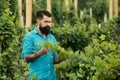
49	24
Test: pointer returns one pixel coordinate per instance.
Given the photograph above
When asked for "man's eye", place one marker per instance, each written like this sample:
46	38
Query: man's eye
47	21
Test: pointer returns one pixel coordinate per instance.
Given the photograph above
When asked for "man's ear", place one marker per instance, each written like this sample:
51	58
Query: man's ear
38	21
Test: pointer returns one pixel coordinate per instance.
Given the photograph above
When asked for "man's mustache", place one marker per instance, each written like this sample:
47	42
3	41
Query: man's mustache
47	26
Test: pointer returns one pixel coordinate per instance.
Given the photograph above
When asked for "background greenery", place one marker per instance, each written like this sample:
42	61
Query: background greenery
91	52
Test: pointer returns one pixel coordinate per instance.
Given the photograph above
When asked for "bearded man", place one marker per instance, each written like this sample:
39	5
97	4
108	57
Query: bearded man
41	60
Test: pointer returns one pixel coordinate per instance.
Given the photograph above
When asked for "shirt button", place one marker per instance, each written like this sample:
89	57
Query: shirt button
48	64
49	71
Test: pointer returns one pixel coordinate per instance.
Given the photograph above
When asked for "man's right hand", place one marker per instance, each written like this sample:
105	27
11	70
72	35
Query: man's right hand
32	57
44	50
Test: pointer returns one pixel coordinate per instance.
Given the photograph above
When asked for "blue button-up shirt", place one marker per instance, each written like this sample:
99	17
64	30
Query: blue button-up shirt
43	67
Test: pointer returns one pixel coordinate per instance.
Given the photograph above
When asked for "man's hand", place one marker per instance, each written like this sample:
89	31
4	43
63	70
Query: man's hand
44	50
32	57
57	60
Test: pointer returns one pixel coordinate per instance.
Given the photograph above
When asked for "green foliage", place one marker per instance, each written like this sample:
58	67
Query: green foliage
93	63
63	14
37	5
99	8
11	67
8	20
69	36
98	59
61	51
6	27
89	52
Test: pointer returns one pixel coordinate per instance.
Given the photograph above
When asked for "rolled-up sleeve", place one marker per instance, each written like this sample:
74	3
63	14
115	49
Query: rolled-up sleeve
27	46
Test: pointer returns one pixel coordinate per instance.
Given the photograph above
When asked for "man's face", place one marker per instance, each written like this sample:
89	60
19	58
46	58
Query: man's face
44	25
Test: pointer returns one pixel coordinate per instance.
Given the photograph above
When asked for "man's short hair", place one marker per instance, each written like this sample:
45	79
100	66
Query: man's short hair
40	14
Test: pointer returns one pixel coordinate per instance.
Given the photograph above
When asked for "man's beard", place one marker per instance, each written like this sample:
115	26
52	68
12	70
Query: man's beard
44	30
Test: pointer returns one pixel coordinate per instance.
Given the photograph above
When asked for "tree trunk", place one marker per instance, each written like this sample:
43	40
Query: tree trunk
67	4
75	4
90	11
110	9
20	13
115	8
28	13
49	5
105	17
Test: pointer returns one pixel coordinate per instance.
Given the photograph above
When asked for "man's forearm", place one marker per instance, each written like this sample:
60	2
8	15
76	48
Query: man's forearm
57	60
32	57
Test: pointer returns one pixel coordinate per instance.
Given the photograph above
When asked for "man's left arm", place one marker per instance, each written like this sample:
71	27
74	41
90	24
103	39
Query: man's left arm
57	60
55	55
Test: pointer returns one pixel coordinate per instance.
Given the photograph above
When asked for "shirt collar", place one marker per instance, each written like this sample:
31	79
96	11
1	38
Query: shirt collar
36	30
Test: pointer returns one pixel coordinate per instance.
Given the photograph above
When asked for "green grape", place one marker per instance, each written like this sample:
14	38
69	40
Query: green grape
62	54
48	44
54	49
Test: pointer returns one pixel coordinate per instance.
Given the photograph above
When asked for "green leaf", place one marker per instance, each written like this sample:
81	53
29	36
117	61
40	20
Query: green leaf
72	76
95	78
102	37
104	45
112	46
89	50
96	42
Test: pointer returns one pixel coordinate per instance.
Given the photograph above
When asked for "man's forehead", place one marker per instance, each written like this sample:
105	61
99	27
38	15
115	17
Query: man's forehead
46	18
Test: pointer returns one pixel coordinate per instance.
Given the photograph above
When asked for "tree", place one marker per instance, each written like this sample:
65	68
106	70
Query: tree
49	5
75	4
110	9
67	4
99	8
28	13
9	39
115	8
20	12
